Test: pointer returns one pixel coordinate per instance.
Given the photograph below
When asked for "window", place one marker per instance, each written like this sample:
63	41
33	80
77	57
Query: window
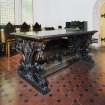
27	11
7	11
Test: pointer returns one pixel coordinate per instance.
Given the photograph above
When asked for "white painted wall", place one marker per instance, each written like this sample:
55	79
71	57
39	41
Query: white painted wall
57	12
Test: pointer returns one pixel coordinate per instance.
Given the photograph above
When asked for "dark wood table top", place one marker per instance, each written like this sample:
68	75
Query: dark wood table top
51	34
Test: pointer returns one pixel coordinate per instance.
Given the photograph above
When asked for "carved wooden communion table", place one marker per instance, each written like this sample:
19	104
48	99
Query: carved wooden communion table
46	52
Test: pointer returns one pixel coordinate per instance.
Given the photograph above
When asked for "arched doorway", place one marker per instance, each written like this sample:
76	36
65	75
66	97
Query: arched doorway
102	24
98	23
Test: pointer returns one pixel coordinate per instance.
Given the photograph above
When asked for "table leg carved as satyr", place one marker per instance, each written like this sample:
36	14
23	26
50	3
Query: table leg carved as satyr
31	63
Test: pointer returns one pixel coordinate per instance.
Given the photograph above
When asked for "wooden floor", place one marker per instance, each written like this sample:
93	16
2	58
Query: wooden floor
79	84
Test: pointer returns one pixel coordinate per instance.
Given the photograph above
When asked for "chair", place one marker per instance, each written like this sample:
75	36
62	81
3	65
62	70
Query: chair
76	25
37	27
1	44
49	28
25	27
9	28
59	27
95	40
